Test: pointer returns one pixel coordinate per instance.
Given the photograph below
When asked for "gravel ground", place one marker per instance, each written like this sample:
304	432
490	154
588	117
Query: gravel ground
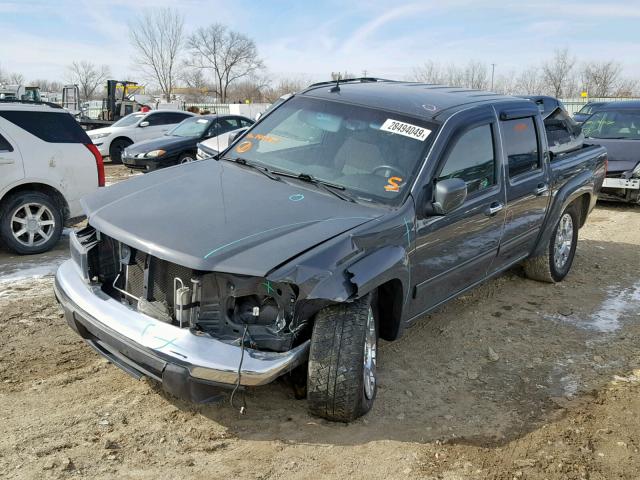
516	379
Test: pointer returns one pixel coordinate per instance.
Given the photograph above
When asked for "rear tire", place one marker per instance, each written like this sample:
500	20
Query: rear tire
555	263
342	378
31	223
187	158
116	148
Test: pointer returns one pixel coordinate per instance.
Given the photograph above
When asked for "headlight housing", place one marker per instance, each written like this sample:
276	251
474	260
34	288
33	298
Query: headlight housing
95	136
155	153
635	173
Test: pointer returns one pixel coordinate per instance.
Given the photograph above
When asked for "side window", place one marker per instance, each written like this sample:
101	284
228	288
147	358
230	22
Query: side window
177	117
52	127
5	146
521	146
155	119
165	118
472	159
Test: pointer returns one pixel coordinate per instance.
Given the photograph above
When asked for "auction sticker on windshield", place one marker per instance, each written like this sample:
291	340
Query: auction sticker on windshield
406	129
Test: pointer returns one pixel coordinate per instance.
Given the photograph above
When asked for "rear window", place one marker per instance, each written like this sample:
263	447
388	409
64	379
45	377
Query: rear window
5	146
52	127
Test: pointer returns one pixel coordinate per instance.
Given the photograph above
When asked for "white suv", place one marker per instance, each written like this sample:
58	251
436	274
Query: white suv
135	127
47	162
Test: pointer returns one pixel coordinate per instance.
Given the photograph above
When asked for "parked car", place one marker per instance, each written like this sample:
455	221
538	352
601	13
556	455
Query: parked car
616	126
546	104
135	127
589	109
342	216
47	162
179	145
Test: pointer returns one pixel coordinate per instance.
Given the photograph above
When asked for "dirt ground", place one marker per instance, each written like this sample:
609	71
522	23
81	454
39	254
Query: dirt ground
515	380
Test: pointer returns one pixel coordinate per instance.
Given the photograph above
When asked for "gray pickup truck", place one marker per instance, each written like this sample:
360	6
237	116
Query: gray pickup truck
341	217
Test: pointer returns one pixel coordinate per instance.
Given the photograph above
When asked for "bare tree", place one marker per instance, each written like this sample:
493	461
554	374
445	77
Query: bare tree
430	72
16	78
230	55
557	72
47	85
625	87
530	82
506	84
157	36
476	75
600	79
88	77
342	75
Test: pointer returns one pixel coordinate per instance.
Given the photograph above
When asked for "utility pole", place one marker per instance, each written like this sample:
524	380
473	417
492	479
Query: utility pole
493	71
364	73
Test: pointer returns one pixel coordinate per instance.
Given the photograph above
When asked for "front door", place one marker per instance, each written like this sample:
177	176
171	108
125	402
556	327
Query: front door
454	251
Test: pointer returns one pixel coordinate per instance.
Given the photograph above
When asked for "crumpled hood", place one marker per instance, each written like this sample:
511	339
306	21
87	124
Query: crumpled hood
218	216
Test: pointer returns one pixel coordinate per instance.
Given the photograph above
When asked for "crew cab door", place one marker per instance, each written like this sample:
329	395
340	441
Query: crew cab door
527	183
454	251
11	168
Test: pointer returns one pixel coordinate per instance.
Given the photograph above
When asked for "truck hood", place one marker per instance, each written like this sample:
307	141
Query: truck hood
220	216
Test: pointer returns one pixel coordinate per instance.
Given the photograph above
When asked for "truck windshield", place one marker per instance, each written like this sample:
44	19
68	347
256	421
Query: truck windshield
129	120
191	127
621	124
373	154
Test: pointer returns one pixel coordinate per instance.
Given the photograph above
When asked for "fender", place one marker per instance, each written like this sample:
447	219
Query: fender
574	188
385	264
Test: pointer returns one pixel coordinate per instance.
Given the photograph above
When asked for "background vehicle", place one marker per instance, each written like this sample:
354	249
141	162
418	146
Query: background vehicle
136	127
179	145
19	92
122	99
342	216
589	109
616	126
47	163
212	146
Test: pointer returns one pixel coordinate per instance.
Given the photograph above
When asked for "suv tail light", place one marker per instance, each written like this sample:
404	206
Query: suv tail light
99	163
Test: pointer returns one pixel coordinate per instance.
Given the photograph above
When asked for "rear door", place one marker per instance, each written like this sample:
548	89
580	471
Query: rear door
527	174
11	168
454	251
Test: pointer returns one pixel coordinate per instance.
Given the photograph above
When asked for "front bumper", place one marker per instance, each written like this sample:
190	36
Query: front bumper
182	359
624	183
139	163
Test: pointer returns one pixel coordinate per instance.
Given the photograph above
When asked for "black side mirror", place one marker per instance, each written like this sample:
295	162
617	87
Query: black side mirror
233	136
449	194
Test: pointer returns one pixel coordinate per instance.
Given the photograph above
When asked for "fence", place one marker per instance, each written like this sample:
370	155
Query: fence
575	104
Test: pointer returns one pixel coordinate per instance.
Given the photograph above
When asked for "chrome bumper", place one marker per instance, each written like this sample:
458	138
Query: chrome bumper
145	346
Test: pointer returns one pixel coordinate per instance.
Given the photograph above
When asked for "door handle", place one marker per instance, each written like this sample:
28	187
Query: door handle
541	188
494	208
6	161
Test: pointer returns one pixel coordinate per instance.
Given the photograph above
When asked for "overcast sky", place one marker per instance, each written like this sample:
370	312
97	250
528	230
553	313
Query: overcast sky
310	39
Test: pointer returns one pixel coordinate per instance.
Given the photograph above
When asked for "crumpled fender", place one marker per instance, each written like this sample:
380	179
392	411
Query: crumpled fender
387	263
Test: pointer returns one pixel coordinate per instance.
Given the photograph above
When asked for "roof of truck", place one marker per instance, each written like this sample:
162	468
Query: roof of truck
622	105
412	98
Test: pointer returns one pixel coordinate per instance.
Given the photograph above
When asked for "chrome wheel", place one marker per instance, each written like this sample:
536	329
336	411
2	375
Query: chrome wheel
370	347
564	242
187	160
32	224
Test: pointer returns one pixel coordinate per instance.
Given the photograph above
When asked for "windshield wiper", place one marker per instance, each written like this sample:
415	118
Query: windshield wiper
326	186
243	161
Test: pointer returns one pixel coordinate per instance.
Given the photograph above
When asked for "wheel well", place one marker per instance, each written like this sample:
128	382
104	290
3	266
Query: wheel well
583	202
55	195
389	304
127	139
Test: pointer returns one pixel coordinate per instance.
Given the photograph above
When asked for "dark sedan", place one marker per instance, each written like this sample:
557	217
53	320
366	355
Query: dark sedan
617	128
179	145
588	110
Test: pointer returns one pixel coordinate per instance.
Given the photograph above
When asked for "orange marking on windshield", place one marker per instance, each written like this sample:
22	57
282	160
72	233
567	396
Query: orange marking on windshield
244	147
393	184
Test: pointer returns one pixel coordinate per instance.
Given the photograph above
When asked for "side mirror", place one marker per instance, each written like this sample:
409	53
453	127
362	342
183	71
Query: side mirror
449	194
233	136
258	115
144	124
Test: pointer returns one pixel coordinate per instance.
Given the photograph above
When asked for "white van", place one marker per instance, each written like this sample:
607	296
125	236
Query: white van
47	163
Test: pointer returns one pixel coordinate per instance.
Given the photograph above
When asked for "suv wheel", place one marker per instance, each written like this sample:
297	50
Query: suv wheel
342	377
556	262
31	223
116	148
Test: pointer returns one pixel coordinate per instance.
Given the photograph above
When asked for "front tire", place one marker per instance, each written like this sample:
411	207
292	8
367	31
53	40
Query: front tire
187	158
31	223
116	149
555	263
342	377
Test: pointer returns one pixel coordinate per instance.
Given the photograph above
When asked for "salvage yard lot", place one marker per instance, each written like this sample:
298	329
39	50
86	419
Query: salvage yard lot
514	379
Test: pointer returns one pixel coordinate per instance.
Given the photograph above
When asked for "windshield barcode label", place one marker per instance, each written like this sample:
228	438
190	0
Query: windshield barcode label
406	129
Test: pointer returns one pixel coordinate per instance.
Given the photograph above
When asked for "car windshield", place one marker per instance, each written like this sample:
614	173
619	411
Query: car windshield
191	127
129	120
373	154
587	109
621	124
